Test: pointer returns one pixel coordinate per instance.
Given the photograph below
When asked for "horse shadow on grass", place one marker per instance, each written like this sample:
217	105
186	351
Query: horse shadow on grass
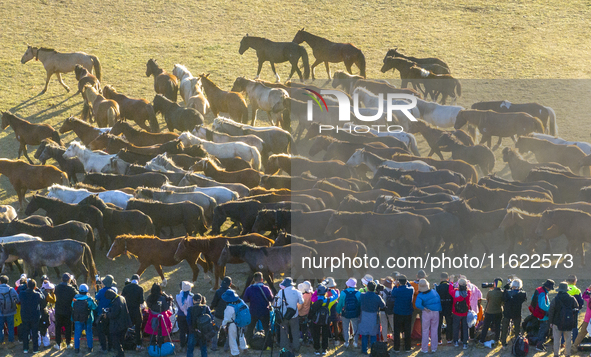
45	113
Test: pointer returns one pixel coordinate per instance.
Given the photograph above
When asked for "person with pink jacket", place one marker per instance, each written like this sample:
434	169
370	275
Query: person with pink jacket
583	329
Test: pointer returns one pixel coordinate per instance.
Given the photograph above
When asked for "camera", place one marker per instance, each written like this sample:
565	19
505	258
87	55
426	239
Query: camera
97	279
379	288
488	285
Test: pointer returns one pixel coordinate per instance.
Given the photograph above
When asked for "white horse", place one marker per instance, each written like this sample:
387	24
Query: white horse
165	162
7	213
373	161
225	150
202	200
586	147
443	116
116	166
204	181
207	134
190	89
221	194
271	100
73	195
93	161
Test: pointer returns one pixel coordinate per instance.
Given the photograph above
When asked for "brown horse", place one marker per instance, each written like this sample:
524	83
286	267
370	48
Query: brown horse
150	250
407	75
574	224
503	125
248	177
105	111
58	63
138	110
436	84
546	151
86	132
432	133
84	77
349	82
340	193
28	133
545	114
211	248
223	101
164	82
489	199
520	167
296	165
526	234
458	166
141	137
24	177
111	144
331	52
476	155
393	52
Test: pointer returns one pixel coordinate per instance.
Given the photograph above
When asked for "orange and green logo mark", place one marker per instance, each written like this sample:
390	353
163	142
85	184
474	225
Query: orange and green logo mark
315	96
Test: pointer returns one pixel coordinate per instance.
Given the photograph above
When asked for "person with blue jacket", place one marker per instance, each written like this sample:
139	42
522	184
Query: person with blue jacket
349	306
9	299
429	302
543	304
198	308
83	319
30	299
402	295
369	322
108	283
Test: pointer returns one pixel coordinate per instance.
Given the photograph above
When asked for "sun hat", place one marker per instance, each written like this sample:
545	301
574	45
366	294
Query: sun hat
563	287
549	284
424	285
330	283
186	285
421	274
321	289
286	282
305	287
366	279
83	288
230	296
351	283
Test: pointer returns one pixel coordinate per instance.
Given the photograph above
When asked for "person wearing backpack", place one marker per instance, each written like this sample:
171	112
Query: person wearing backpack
236	318
320	320
83	307
30	299
286	310
64	294
134	296
493	313
369	323
304	309
259	297
8	301
119	320
460	308
446	309
219	306
402	296
540	304
108	283
184	300
349	306
561	316
576	293
583	329
513	300
201	325
429	302
386	314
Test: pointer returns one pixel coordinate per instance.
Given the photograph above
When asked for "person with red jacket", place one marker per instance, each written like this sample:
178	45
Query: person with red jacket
460	308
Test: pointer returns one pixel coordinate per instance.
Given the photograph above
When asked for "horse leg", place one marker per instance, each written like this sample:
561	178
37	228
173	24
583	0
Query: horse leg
497	145
194	269
161	274
269	279
316	63
46	82
259	69
328	70
348	67
254	108
59	79
513	138
24	149
274	72
57	272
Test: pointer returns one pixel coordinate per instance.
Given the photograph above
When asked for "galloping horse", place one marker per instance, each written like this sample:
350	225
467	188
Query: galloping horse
277	52
224	101
436	84
164	82
545	114
58	63
86	132
327	51
136	109
28	133
271	100
24	177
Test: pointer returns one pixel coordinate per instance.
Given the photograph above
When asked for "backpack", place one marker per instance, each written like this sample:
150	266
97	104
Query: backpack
286	353
520	346
242	312
129	340
202	324
566	319
533	307
390	304
379	349
103	323
322	315
80	311
461	306
352	308
258	341
7	305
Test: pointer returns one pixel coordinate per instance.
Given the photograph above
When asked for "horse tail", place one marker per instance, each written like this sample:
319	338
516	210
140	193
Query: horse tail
458	87
89	262
150	230
152	119
97	67
64	178
291	147
305	62
244	118
55	136
539	126
361	249
361	64
112	115
256	158
552	124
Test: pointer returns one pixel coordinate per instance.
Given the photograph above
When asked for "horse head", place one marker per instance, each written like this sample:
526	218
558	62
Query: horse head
150	67
243	45
5	119
181	249
118	247
239	85
224	255
299	37
29	54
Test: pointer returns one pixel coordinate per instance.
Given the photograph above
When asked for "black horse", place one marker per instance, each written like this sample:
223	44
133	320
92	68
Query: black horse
177	117
277	52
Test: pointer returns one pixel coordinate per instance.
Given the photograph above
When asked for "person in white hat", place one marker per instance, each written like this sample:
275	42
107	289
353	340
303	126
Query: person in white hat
366	279
304	309
429	302
349	307
184	301
286	304
83	308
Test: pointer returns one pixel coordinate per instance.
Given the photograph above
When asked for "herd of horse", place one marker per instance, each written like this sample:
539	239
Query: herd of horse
232	192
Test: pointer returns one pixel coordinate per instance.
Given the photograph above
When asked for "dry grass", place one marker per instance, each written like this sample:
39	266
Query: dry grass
480	40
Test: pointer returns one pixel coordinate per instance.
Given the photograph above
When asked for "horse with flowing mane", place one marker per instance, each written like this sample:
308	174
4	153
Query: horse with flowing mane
137	109
222	101
277	52
420	61
58	63
164	82
331	52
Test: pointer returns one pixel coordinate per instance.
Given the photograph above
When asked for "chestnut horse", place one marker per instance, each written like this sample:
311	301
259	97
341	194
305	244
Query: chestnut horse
105	111
137	109
24	177
223	101
84	77
545	114
86	132
141	137
435	84
28	133
58	63
211	248
327	51
164	82
151	250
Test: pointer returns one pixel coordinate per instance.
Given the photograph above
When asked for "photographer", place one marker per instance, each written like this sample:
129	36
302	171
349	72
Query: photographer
107	283
429	302
513	300
134	296
402	295
304	309
349	307
159	324
386	314
561	316
219	306
286	304
119	320
64	294
446	308
259	296
369	323
461	305
493	313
